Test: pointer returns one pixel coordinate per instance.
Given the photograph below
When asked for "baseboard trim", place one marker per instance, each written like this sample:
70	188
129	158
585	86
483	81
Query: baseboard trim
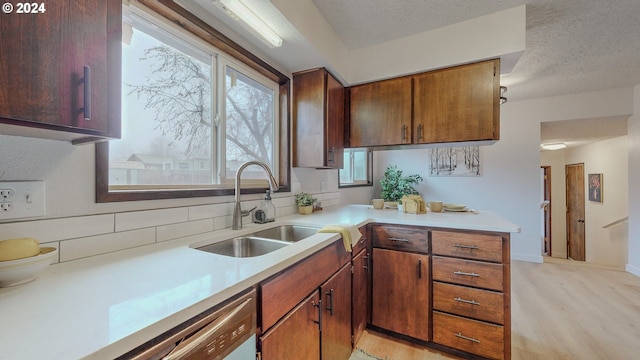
633	269
529	258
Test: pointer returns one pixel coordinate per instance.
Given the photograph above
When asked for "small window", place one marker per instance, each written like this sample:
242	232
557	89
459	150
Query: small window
358	168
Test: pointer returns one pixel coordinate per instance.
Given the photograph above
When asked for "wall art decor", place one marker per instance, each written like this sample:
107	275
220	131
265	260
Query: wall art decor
455	161
595	187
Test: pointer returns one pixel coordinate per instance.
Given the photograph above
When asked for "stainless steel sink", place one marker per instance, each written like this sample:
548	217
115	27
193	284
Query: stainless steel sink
291	233
245	246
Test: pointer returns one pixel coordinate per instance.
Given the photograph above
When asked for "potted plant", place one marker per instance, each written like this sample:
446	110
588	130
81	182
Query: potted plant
395	185
305	202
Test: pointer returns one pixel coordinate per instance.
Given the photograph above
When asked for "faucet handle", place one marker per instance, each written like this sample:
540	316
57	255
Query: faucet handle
247	212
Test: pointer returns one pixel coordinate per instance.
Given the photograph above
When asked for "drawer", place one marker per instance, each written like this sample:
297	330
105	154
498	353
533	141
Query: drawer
403	238
468	272
468	335
467	245
470	302
362	243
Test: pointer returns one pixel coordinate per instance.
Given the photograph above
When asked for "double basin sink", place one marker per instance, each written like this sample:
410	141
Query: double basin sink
261	242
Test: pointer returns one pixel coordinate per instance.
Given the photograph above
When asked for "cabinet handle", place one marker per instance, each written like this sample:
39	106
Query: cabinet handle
419	268
472	302
461	246
366	262
87	93
319	306
465	273
467	338
331	154
419	132
330	301
404	132
399	239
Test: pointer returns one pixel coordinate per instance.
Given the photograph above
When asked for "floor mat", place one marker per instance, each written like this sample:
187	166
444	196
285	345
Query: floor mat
359	354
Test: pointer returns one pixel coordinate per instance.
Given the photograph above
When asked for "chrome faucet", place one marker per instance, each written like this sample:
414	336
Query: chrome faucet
238	213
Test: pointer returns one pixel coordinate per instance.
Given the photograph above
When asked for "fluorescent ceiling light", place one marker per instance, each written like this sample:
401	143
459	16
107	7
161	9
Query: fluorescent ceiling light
554	146
239	11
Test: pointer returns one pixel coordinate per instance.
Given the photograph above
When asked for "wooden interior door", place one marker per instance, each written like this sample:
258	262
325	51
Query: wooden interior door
546	198
575	211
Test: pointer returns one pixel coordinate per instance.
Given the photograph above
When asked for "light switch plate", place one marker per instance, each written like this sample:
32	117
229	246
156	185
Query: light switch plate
26	201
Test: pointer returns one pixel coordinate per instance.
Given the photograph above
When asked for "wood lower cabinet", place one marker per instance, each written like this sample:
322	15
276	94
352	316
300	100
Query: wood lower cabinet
297	335
336	316
360	286
400	300
380	113
305	310
318	120
45	86
471	298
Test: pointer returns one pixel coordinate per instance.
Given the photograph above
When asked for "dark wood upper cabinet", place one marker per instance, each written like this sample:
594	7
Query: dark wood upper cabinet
318	120
380	113
457	104
44	58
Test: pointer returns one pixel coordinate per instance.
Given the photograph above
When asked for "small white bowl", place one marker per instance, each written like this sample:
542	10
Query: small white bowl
20	271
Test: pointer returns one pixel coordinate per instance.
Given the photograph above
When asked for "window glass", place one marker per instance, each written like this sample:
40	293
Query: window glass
173	135
358	168
249	123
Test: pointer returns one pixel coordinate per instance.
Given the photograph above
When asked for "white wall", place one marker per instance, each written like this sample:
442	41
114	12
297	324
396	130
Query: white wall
633	264
555	159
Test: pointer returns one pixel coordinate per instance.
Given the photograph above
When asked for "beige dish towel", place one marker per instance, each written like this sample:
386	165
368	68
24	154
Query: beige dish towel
350	234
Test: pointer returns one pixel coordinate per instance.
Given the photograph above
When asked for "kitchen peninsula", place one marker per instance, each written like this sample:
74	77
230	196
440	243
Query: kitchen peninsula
103	306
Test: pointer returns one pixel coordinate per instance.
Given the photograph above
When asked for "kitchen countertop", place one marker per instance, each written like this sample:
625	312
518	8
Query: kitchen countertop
102	306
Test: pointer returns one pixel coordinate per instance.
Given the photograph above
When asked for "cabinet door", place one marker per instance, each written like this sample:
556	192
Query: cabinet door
42	61
297	335
336	317
334	125
457	104
360	294
400	295
380	113
318	120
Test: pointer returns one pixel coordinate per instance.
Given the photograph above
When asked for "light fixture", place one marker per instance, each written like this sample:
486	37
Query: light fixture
554	146
503	99
250	21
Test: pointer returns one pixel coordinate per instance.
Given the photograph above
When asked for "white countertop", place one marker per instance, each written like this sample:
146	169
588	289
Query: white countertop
102	306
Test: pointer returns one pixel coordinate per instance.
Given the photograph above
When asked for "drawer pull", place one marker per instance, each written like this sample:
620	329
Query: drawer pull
465	273
399	239
467	338
461	246
472	302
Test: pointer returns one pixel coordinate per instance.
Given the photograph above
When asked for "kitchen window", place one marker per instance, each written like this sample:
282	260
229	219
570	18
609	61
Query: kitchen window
191	115
358	167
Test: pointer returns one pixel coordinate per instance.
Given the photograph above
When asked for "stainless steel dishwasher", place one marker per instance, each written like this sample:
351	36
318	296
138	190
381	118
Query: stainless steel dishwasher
226	332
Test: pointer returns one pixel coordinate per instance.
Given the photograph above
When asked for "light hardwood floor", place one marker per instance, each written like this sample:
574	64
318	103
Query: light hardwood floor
559	311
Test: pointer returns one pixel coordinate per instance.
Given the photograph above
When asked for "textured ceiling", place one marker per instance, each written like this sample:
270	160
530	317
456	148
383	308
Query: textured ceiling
572	46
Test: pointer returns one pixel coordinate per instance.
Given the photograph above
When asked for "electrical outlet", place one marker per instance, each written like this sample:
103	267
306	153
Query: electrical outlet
5	207
6	194
21	199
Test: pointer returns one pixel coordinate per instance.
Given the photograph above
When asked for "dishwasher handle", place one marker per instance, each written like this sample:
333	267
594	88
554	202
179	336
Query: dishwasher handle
196	340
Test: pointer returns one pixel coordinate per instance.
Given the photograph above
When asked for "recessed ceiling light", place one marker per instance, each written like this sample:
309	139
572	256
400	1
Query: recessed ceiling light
554	146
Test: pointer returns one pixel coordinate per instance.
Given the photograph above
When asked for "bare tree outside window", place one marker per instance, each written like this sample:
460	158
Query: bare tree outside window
169	121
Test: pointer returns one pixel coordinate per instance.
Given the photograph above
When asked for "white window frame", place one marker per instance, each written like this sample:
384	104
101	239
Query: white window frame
350	169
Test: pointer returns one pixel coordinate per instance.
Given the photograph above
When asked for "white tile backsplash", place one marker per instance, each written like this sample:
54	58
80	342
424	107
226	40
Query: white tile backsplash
82	236
149	218
175	231
59	229
94	245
